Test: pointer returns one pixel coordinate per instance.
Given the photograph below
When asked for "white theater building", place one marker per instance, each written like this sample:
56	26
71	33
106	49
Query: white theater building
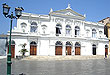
62	32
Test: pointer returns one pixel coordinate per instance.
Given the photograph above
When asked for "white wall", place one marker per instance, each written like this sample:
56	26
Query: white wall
101	49
44	47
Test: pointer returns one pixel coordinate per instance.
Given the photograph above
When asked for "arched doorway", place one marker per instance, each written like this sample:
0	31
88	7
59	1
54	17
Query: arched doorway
33	48
77	48
106	49
94	49
58	48
12	49
68	48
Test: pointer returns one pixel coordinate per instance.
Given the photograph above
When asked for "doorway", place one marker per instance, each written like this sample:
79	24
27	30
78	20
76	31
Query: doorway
33	48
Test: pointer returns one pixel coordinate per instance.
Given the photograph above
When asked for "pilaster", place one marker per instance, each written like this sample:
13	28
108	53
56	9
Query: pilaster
64	48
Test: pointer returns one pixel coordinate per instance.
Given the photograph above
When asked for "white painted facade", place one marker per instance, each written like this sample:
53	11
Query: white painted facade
44	33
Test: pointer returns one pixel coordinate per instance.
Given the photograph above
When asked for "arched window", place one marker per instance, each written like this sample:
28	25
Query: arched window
44	28
94	46
58	43
23	26
12	42
93	33
58	29
68	29
100	33
106	46
77	44
33	27
33	43
68	43
77	30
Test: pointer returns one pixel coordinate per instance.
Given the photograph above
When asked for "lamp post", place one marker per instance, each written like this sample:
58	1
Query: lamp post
18	12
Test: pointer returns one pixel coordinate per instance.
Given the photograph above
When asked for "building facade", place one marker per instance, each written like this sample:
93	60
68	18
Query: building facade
3	44
106	22
62	32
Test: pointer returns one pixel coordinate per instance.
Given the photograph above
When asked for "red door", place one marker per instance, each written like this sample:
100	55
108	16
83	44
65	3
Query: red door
68	50
77	50
12	51
33	50
58	50
106	50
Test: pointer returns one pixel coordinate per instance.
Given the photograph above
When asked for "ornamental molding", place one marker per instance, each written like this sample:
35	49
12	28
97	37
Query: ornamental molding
77	23
68	22
69	13
94	42
58	20
30	21
33	40
94	28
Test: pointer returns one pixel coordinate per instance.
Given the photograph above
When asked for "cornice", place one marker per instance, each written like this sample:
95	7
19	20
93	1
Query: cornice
94	23
36	16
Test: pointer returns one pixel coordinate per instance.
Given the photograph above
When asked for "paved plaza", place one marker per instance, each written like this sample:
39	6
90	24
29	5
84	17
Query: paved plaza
58	67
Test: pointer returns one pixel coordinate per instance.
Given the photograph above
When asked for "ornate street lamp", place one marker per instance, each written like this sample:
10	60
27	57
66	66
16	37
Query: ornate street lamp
6	9
18	12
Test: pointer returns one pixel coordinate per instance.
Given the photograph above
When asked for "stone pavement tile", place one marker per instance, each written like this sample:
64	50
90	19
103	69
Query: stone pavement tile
56	67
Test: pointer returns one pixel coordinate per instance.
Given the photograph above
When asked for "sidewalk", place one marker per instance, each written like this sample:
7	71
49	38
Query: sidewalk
2	57
46	58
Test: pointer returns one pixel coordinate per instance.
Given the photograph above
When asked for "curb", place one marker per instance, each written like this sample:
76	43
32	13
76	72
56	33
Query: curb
41	58
2	57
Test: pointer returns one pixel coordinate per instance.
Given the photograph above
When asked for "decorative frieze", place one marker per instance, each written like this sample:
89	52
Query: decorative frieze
59	20
77	23
68	21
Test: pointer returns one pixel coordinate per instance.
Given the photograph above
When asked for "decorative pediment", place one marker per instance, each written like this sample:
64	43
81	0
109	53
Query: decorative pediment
68	12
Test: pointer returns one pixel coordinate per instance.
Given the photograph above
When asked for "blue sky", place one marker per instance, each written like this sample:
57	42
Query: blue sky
95	10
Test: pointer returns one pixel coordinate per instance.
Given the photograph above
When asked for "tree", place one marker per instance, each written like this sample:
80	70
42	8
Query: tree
23	50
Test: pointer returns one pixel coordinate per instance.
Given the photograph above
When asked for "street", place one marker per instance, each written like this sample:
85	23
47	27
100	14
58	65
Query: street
58	67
